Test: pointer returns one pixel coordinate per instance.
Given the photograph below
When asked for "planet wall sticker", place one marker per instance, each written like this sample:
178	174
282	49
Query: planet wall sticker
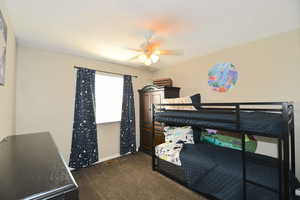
222	77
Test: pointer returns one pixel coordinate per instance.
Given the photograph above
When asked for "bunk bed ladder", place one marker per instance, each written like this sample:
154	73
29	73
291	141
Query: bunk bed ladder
279	151
286	152
286	156
292	133
283	158
244	167
287	188
238	124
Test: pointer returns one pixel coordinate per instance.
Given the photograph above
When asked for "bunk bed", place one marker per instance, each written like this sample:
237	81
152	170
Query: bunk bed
227	174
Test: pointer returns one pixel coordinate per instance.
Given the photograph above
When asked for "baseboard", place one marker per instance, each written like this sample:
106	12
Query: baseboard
117	155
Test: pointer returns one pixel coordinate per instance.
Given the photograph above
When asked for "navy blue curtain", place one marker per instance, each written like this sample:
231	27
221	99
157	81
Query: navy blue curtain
127	136
84	150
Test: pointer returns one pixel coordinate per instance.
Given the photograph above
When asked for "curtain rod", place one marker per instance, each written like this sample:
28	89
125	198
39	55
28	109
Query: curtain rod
107	72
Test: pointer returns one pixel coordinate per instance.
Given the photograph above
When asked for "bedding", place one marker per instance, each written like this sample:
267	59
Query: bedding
194	99
261	123
229	140
169	152
181	100
175	138
178	134
218	171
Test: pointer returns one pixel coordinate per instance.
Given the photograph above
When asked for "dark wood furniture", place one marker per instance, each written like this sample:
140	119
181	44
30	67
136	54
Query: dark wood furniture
31	168
152	95
257	172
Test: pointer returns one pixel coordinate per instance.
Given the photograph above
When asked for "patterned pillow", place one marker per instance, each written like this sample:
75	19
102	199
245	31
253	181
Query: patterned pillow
179	134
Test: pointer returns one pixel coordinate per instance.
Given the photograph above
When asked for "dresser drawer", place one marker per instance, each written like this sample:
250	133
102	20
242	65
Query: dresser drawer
158	126
146	137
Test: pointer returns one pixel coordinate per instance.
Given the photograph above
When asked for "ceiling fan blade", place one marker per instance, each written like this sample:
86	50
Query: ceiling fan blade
134	58
169	52
149	35
136	50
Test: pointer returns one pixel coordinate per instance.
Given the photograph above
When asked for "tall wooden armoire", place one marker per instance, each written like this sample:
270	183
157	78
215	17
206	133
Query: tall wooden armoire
152	95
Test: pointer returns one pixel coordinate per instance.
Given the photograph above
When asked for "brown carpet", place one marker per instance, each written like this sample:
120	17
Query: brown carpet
129	178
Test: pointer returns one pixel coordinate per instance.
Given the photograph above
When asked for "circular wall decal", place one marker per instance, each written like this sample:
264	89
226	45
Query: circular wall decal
222	77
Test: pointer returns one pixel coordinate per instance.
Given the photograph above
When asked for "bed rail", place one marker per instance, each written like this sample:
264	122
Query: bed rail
233	108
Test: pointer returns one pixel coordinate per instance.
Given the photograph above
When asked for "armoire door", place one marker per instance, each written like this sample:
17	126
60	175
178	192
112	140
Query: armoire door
159	138
148	100
147	114
152	95
146	123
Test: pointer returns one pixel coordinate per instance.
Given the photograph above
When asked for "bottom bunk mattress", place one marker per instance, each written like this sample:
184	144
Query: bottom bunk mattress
217	171
170	170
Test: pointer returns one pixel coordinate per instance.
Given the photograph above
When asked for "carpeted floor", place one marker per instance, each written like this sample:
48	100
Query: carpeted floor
129	178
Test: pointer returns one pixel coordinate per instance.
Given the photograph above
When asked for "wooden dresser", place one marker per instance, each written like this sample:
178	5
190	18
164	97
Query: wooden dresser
152	95
31	168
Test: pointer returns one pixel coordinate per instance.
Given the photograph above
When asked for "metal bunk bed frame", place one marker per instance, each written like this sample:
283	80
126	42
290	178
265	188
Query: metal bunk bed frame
285	141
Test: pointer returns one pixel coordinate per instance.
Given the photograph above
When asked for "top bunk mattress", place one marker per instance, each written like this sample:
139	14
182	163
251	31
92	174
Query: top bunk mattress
257	123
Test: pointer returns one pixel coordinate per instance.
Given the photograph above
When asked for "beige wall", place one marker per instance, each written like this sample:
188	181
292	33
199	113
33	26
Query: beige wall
269	70
45	97
7	92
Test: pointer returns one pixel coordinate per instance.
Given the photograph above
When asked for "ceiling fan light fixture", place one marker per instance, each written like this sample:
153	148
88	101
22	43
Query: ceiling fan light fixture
148	62
142	58
149	52
154	58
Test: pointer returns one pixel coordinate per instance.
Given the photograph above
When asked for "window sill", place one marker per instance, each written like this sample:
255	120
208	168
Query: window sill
105	123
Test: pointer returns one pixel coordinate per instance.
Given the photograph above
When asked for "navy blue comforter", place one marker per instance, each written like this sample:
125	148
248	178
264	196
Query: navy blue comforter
261	123
217	171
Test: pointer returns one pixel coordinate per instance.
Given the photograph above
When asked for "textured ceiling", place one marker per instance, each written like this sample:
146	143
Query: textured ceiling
104	29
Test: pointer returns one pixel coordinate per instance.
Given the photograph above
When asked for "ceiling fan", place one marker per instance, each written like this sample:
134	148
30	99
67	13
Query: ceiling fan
149	51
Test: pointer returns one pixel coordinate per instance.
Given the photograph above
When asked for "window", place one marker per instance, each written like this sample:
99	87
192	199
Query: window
109	94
